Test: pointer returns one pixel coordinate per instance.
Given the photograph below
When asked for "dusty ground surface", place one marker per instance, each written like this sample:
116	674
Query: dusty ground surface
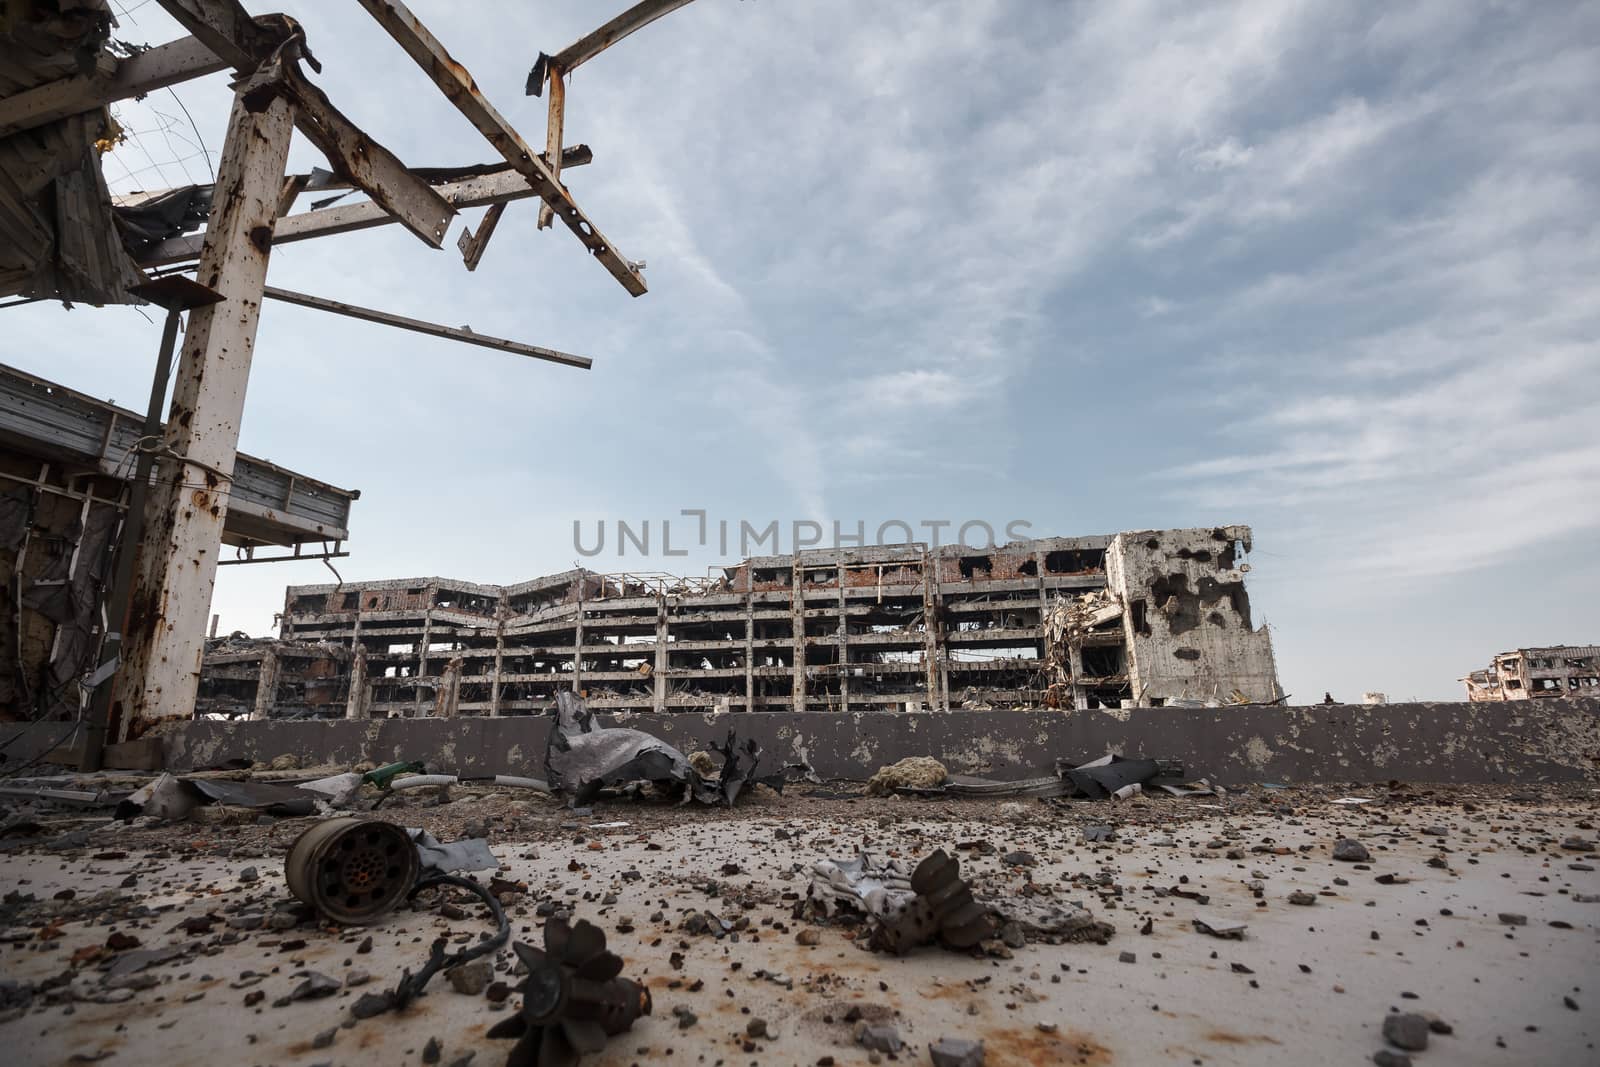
1478	905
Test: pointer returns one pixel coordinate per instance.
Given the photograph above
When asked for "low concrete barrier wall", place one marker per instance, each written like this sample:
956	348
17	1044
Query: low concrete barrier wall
1534	741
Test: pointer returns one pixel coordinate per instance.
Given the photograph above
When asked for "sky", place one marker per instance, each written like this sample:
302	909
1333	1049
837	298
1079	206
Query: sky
1329	270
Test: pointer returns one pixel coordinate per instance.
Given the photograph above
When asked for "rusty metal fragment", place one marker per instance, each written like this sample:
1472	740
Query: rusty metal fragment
943	908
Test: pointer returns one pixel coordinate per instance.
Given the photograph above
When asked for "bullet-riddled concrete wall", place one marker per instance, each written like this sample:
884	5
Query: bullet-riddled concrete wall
1544	741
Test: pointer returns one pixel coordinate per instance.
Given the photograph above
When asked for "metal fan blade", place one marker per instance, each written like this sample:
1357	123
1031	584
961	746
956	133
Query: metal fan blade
555	1050
586	1035
601	968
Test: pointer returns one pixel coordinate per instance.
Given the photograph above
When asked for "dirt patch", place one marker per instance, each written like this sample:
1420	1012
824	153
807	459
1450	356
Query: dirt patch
1017	1046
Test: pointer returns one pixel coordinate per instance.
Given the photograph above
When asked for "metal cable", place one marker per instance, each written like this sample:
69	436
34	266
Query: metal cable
411	984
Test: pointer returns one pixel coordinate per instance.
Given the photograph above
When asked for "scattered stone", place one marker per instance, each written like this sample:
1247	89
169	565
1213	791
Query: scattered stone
1385	1057
809	936
325	1037
432	1051
356	977
685	1017
1511	918
1578	844
956	1052
372	1004
1349	850
1302	898
1127	957
1019	859
315	986
248	875
1406	1030
757	1027
471	978
881	1037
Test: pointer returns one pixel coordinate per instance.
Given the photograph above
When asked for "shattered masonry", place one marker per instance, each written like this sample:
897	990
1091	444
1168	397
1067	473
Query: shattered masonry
1147	618
1533	673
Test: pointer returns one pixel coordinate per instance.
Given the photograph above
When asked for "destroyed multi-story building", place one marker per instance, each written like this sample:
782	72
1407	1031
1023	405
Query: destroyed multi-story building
1145	618
1535	673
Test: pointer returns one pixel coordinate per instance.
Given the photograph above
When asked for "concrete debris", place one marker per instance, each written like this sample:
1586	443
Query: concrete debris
1351	851
956	1052
913	772
1217	926
1406	1030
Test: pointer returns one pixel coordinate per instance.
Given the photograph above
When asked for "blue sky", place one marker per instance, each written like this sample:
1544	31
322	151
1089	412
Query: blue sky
1332	270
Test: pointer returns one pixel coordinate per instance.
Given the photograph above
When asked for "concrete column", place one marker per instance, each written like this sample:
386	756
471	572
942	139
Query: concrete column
577	643
662	660
930	629
171	598
422	651
844	647
749	647
266	684
447	696
355	705
499	655
797	622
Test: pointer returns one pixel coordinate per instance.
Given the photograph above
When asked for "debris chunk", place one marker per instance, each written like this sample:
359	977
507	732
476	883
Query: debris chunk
956	1052
1406	1030
1349	850
913	772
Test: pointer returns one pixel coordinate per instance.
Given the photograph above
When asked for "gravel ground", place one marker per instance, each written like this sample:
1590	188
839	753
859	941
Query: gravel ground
1475	907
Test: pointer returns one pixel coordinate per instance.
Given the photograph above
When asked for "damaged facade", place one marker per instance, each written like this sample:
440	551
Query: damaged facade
1146	618
1535	673
65	483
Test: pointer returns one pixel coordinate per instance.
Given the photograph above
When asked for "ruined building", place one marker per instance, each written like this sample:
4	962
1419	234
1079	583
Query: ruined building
1531	673
66	467
1146	619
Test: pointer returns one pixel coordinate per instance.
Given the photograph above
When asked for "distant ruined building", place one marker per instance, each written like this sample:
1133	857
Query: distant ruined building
1148	618
1534	673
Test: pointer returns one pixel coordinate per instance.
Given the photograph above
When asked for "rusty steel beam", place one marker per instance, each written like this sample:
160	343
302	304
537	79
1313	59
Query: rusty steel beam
154	68
246	44
164	638
592	44
472	244
555	124
225	27
450	333
457	84
371	167
479	190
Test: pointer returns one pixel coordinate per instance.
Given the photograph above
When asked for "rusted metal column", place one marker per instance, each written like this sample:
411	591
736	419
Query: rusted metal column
171	598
